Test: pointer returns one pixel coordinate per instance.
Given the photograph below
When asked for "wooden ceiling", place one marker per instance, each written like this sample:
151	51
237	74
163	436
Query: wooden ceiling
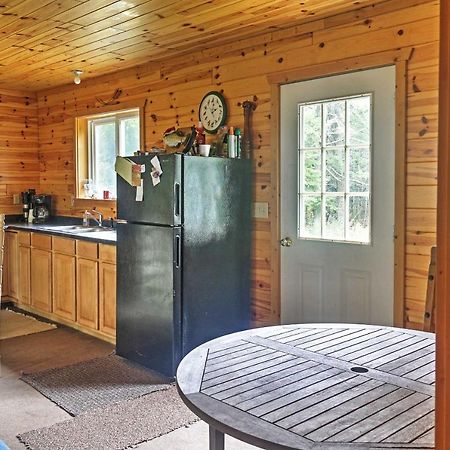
42	41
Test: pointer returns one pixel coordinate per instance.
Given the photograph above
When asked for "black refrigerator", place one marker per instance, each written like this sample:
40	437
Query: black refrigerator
183	258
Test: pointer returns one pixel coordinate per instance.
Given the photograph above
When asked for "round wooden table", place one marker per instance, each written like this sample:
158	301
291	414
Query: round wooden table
315	386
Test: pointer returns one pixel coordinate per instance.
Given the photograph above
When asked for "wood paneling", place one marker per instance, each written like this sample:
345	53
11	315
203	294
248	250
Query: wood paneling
42	42
174	88
443	242
19	160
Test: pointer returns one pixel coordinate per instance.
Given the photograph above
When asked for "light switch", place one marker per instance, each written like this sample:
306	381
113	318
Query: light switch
260	210
16	199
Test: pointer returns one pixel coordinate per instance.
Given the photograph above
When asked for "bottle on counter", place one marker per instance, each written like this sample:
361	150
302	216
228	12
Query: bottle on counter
231	143
238	135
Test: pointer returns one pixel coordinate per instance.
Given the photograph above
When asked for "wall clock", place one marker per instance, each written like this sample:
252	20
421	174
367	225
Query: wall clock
212	112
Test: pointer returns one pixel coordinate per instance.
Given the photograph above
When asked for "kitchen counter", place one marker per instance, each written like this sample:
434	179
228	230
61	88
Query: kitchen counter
67	230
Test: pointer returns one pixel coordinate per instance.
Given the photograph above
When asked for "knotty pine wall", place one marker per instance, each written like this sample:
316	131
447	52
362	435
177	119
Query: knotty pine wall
173	89
19	163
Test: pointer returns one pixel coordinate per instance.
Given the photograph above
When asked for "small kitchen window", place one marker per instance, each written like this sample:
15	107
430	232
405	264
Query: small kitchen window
100	138
334	169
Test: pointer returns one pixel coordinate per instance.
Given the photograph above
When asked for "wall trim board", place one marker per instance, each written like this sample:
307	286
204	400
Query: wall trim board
399	59
443	241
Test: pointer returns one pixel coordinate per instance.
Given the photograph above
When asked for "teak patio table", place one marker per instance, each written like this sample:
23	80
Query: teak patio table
315	386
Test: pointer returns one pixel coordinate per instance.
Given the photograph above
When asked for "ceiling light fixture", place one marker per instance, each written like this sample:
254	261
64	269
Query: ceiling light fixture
76	76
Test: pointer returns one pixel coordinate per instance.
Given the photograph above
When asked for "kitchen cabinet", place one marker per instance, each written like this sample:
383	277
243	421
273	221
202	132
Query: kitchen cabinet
107	289
64	278
67	280
41	272
12	263
87	284
24	274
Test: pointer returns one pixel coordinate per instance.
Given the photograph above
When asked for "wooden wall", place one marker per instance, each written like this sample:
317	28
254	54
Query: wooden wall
173	89
19	163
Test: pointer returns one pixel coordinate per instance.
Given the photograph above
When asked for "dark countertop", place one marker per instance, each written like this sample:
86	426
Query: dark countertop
103	237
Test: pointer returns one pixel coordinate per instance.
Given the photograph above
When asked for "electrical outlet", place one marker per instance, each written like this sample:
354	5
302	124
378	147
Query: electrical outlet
16	199
260	210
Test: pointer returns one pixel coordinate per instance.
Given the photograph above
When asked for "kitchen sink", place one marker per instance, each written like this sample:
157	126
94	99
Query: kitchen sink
75	228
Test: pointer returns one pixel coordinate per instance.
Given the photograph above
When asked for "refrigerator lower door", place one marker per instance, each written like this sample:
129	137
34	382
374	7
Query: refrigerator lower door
148	312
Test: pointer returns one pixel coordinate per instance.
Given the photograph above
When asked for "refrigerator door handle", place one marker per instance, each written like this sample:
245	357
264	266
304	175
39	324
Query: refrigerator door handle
177	251
177	189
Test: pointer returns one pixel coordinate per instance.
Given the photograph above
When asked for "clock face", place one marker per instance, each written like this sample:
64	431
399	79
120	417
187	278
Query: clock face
213	111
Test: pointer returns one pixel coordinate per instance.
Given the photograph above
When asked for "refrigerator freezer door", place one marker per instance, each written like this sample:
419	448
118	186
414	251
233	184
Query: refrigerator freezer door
148	312
162	204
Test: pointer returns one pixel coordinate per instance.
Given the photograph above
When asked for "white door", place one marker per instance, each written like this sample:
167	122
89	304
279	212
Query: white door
337	198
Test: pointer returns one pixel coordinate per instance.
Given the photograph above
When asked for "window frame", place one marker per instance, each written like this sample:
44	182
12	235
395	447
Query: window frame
83	135
346	193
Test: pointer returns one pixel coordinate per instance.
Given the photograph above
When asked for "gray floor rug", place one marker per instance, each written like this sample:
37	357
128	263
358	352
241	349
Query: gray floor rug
117	426
98	382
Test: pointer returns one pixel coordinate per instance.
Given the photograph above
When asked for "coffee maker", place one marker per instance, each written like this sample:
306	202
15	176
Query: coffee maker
27	203
42	206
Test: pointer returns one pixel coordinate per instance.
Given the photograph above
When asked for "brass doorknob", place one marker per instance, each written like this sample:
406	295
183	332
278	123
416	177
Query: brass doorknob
286	242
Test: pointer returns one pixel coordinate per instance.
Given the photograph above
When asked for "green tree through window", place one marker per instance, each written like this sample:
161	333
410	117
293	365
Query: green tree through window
334	167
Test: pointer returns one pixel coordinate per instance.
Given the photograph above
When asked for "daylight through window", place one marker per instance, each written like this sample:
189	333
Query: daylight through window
107	136
334	169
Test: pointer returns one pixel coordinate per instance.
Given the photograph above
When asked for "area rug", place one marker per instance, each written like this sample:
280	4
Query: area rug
117	426
13	324
94	383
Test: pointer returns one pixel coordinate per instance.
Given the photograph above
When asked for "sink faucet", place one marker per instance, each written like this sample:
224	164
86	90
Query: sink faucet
90	215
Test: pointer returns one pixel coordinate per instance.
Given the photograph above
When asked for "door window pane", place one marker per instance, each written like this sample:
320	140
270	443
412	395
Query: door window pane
334	120
312	216
312	126
312	171
358	121
334	226
334	164
359	169
335	170
358	218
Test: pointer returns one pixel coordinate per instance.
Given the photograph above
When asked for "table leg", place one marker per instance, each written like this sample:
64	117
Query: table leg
216	439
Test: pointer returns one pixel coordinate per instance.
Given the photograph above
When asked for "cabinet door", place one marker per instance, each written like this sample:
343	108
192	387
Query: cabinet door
24	275
12	250
41	279
87	293
107	280
64	286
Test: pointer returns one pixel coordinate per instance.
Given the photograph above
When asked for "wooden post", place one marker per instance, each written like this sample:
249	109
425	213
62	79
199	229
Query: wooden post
443	241
247	146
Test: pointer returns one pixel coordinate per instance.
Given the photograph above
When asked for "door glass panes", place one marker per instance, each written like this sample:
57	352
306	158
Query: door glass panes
312	218
312	124
334	217
359	169
334	169
334	123
312	171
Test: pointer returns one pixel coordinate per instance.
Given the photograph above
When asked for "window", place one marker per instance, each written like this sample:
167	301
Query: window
100	139
334	169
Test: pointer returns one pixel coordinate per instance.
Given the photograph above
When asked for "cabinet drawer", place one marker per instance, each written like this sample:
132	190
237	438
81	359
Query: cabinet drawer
87	250
24	238
42	241
107	253
64	245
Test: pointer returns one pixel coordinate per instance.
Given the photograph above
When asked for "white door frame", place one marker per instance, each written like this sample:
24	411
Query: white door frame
398	58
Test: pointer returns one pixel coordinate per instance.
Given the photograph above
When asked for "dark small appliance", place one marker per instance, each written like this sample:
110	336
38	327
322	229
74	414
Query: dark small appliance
42	205
27	198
